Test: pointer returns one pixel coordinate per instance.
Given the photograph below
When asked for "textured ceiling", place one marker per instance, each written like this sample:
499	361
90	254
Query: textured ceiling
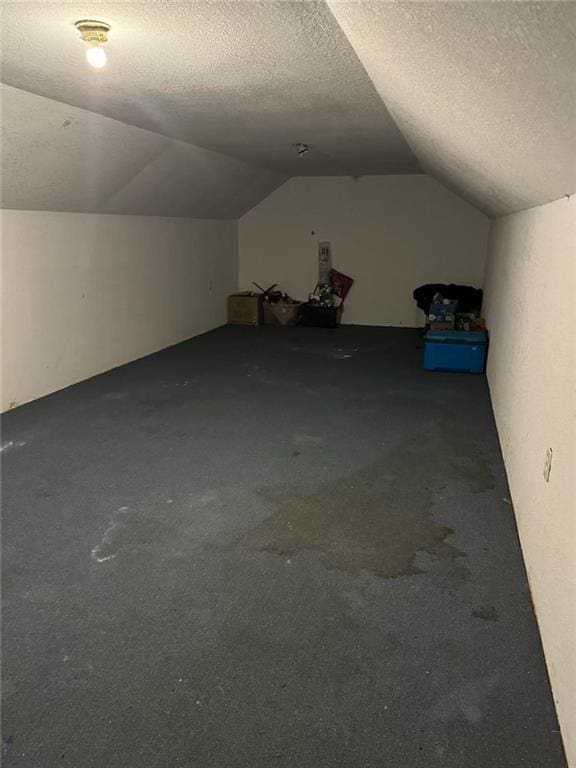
484	92
207	99
245	78
60	158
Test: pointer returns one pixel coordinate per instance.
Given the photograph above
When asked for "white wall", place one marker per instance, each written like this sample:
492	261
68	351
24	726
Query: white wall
531	312
83	293
390	233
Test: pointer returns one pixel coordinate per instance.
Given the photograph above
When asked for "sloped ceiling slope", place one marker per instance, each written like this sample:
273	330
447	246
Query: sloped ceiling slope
56	157
484	92
247	78
201	103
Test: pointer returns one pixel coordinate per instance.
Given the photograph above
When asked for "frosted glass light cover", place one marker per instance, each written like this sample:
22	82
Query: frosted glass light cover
96	57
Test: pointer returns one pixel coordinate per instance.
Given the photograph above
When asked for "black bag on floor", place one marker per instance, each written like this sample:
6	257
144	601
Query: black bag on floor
469	299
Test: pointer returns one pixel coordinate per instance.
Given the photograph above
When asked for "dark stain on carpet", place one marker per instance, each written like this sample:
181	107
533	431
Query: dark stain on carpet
376	519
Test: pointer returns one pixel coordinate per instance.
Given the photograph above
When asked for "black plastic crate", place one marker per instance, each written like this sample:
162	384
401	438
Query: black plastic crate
319	317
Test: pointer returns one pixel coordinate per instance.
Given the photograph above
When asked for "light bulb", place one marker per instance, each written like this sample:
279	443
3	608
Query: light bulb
96	56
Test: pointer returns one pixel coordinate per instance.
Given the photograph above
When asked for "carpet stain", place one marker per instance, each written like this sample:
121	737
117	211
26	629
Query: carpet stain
375	520
486	612
464	702
130	533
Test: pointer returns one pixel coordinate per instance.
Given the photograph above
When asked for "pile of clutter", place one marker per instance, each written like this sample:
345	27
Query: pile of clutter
443	315
451	307
325	303
455	338
274	307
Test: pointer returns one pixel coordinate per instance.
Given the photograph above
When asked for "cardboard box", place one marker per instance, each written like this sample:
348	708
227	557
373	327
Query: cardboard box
245	308
442	325
281	313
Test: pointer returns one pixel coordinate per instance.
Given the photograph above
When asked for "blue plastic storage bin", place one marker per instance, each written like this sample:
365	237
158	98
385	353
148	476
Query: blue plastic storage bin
455	351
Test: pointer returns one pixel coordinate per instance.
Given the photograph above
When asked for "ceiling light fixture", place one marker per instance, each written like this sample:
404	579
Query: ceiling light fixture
95	34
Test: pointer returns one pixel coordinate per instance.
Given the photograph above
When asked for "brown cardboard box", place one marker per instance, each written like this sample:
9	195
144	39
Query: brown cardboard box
442	325
245	308
281	313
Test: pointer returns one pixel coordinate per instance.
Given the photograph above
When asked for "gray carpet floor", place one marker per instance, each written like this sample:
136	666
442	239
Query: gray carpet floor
267	548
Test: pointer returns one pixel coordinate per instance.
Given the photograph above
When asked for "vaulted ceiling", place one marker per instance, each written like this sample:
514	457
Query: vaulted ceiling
200	105
56	157
484	92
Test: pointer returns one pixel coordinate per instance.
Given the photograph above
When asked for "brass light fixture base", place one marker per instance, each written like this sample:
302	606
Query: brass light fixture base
93	32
